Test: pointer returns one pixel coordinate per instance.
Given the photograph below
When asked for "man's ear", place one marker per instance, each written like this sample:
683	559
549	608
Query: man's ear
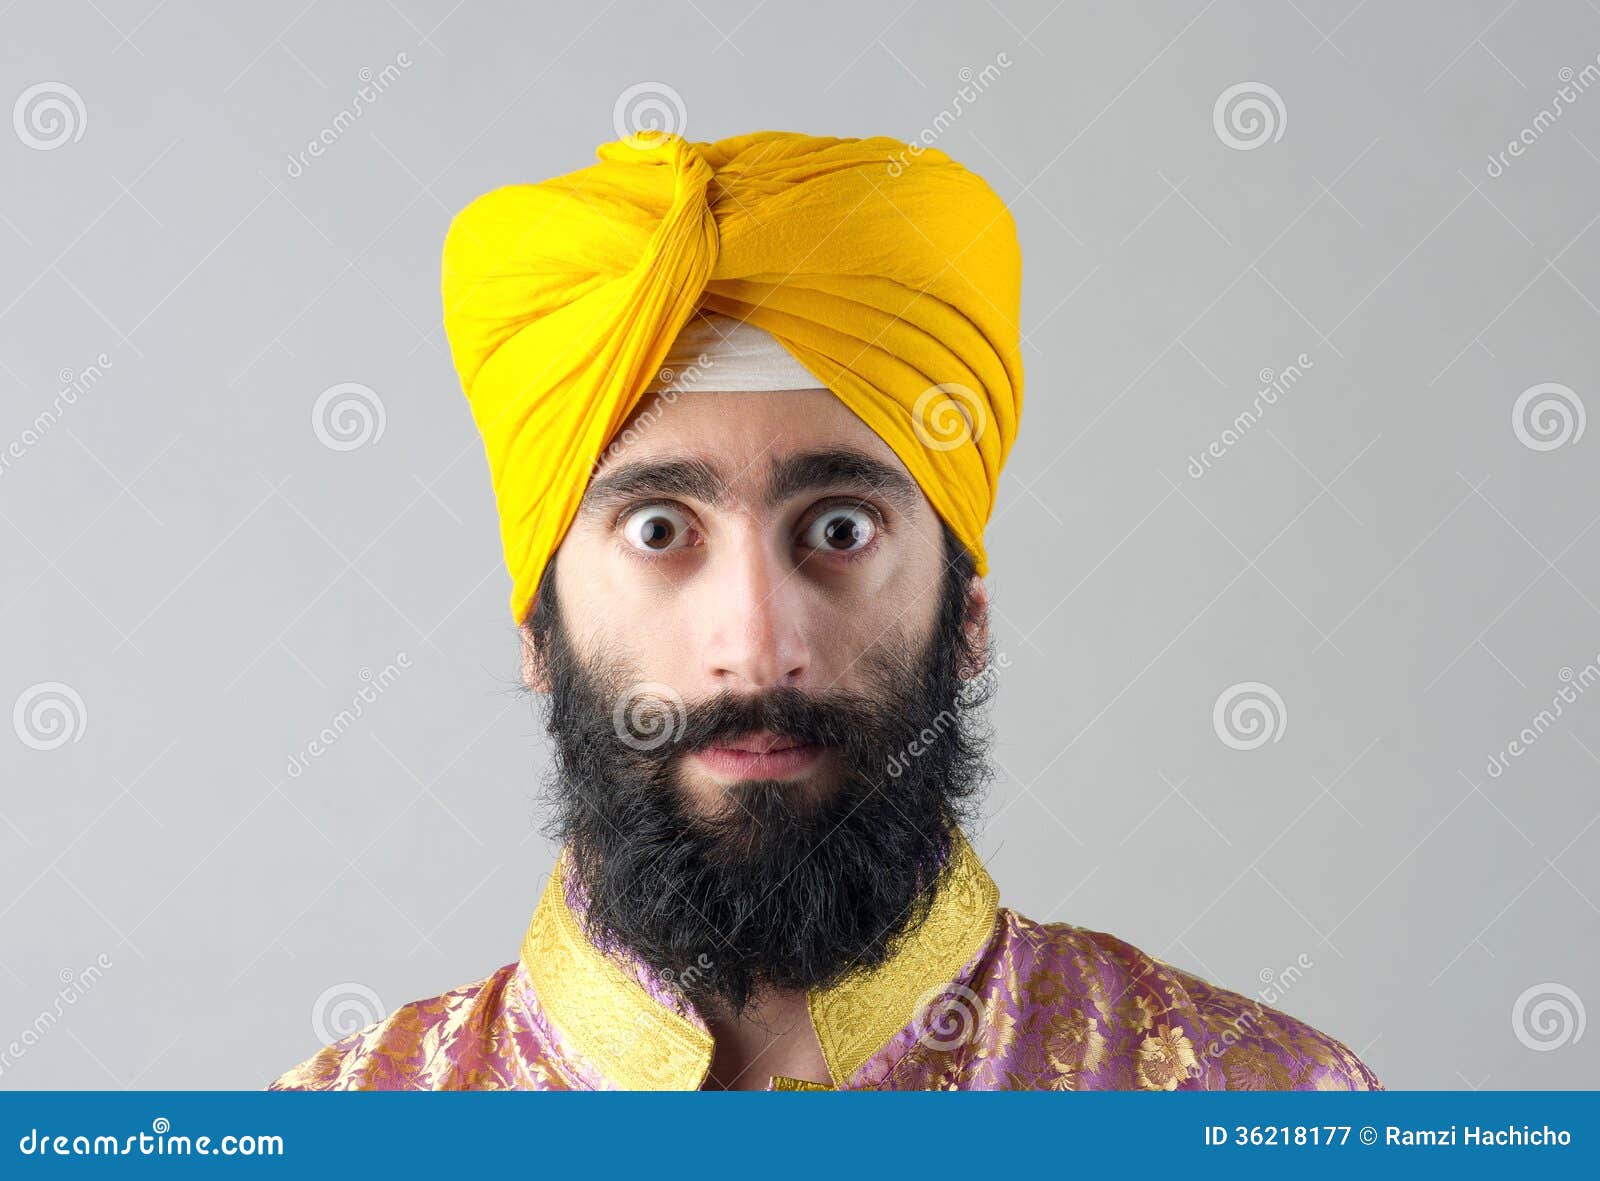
976	627
534	676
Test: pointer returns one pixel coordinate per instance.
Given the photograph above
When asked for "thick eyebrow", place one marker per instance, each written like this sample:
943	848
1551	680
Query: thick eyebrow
840	467
696	479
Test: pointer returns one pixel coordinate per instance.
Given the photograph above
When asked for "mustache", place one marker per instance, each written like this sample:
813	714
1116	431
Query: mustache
658	727
787	712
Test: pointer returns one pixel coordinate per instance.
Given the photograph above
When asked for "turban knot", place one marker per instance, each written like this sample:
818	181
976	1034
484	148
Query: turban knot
889	271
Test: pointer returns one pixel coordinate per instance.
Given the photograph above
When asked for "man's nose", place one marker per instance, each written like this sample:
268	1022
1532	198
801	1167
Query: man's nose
756	631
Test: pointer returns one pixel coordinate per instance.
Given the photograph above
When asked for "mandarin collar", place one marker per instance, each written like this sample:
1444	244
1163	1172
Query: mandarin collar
619	1018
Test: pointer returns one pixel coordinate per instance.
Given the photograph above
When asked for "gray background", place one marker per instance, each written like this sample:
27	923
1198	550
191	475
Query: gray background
186	552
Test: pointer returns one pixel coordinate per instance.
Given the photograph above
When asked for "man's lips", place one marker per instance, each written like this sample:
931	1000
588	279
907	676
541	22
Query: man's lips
759	755
760	742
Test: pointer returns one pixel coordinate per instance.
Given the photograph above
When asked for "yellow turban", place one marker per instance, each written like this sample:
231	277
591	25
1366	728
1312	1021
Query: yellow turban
889	271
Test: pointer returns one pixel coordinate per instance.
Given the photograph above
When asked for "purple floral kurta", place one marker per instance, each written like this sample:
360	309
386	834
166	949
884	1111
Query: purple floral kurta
976	998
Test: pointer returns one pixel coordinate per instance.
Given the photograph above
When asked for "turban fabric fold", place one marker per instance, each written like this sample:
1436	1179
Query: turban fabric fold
892	273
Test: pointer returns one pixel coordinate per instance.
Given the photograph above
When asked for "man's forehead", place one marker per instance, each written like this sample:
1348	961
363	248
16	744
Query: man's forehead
760	447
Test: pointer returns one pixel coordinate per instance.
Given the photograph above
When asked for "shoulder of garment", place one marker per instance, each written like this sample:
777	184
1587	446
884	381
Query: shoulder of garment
1067	1008
469	1038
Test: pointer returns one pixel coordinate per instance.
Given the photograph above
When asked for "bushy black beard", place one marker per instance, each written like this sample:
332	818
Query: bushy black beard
779	888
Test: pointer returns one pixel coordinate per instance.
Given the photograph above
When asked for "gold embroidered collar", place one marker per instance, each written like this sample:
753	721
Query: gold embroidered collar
607	1018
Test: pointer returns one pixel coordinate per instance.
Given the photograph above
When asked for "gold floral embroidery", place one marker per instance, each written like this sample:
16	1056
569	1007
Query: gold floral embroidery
1045	988
782	1082
856	1018
1166	1058
1073	1042
1252	1068
997	1034
606	1016
1138	1012
927	1068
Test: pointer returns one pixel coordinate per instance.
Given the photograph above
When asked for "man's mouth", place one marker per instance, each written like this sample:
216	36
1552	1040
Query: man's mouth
759	754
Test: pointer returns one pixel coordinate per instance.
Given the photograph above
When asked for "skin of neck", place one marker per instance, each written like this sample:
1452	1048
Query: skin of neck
774	1036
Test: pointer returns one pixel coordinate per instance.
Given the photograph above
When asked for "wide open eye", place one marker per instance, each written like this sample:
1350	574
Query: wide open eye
840	530
656	528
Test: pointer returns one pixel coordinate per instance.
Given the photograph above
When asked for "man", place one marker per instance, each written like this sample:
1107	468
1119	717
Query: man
745	406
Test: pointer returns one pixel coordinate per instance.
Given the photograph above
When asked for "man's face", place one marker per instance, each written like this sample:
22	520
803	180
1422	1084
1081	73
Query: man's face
752	649
741	542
